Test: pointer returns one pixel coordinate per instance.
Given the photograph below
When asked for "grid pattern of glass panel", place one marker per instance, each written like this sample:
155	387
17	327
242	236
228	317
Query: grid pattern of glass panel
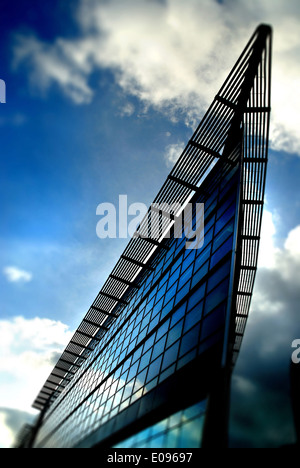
177	313
180	430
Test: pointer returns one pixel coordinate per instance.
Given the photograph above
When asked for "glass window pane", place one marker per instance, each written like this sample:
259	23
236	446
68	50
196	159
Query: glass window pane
216	296
199	274
170	294
225	217
221	252
193	317
213	322
223	235
183	292
162	330
185	276
170	356
218	276
145	360
178	314
154	368
190	340
202	257
197	296
175	333
159	347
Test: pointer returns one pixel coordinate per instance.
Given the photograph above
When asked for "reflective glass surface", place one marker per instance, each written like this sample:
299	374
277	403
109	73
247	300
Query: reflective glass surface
180	430
177	313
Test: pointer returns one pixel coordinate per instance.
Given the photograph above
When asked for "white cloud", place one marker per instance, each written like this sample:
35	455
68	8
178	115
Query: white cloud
14	274
127	110
173	152
6	433
292	243
267	249
29	349
49	64
173	55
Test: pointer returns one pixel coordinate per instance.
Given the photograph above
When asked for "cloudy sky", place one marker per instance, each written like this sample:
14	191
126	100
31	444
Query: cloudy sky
101	97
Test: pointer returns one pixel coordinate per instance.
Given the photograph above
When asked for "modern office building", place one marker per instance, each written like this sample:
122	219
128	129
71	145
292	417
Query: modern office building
151	361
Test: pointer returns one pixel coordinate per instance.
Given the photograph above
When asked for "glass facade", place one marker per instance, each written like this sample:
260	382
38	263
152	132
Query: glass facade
180	430
177	314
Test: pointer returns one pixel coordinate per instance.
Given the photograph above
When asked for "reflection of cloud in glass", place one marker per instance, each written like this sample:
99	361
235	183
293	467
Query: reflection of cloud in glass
180	430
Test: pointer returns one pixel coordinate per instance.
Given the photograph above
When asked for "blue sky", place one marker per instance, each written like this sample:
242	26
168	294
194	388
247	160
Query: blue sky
100	98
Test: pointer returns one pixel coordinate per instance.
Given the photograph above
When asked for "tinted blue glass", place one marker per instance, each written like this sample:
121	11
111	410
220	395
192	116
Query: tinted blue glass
175	333
190	340
197	276
219	275
212	340
209	223
154	369
165	374
185	276
162	330
159	356
221	252
223	234
179	314
148	343
161	292
182	293
186	358
193	317
211	207
170	355
159	347
226	203
229	213
183	429
213	322
170	293
174	277
167	308
216	296
197	296
145	360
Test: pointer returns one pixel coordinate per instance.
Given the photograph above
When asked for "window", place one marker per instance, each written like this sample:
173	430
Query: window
193	317
145	360
213	322
175	333
217	295
197	296
154	368
170	356
218	276
223	234
159	347
183	292
178	314
186	276
221	252
199	274
189	340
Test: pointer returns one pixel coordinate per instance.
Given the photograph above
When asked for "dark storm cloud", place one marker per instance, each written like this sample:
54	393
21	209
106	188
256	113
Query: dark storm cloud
15	419
261	404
